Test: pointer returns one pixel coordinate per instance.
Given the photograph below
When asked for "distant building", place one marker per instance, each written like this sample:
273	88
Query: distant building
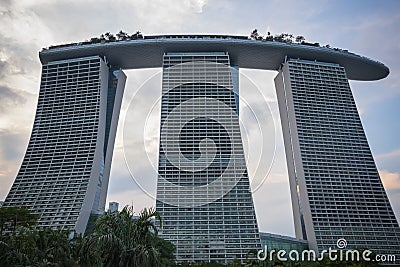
1	203
113	206
280	242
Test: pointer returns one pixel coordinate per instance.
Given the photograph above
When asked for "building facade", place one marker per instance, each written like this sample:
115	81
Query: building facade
276	242
335	186
65	171
113	206
203	191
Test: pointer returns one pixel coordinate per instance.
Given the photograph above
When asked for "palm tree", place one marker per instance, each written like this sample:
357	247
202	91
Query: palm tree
254	34
122	35
37	247
12	217
54	246
120	240
137	35
269	37
300	39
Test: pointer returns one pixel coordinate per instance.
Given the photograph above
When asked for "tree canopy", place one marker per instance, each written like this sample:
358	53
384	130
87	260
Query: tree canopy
118	239
13	217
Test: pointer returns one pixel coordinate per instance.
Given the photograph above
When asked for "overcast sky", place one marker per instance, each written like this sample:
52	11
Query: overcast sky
368	28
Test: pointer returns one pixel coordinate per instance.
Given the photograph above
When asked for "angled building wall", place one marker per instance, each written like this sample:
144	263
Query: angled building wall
335	186
65	171
203	192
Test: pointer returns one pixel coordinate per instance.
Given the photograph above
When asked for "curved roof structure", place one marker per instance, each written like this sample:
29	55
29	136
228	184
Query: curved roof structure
243	52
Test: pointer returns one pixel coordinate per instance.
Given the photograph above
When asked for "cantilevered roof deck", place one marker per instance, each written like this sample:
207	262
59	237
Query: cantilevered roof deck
243	52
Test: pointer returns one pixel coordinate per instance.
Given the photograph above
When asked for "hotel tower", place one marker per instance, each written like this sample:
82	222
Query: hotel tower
203	191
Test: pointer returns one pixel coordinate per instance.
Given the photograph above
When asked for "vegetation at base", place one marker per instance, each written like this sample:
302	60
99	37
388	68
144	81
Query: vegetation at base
13	217
283	264
116	240
31	247
276	263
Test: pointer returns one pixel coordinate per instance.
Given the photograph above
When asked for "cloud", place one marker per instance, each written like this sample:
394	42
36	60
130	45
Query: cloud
131	197
12	146
14	58
3	68
373	37
390	180
196	5
390	160
5	6
9	98
16	110
274	210
392	154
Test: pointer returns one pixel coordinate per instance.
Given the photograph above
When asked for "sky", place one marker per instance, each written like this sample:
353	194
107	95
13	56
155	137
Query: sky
368	28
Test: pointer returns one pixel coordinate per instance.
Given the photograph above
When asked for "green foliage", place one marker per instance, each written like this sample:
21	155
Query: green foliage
235	263
13	217
166	249
201	264
29	246
119	240
287	38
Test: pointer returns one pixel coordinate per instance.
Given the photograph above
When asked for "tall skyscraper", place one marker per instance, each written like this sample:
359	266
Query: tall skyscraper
203	192
65	171
335	186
